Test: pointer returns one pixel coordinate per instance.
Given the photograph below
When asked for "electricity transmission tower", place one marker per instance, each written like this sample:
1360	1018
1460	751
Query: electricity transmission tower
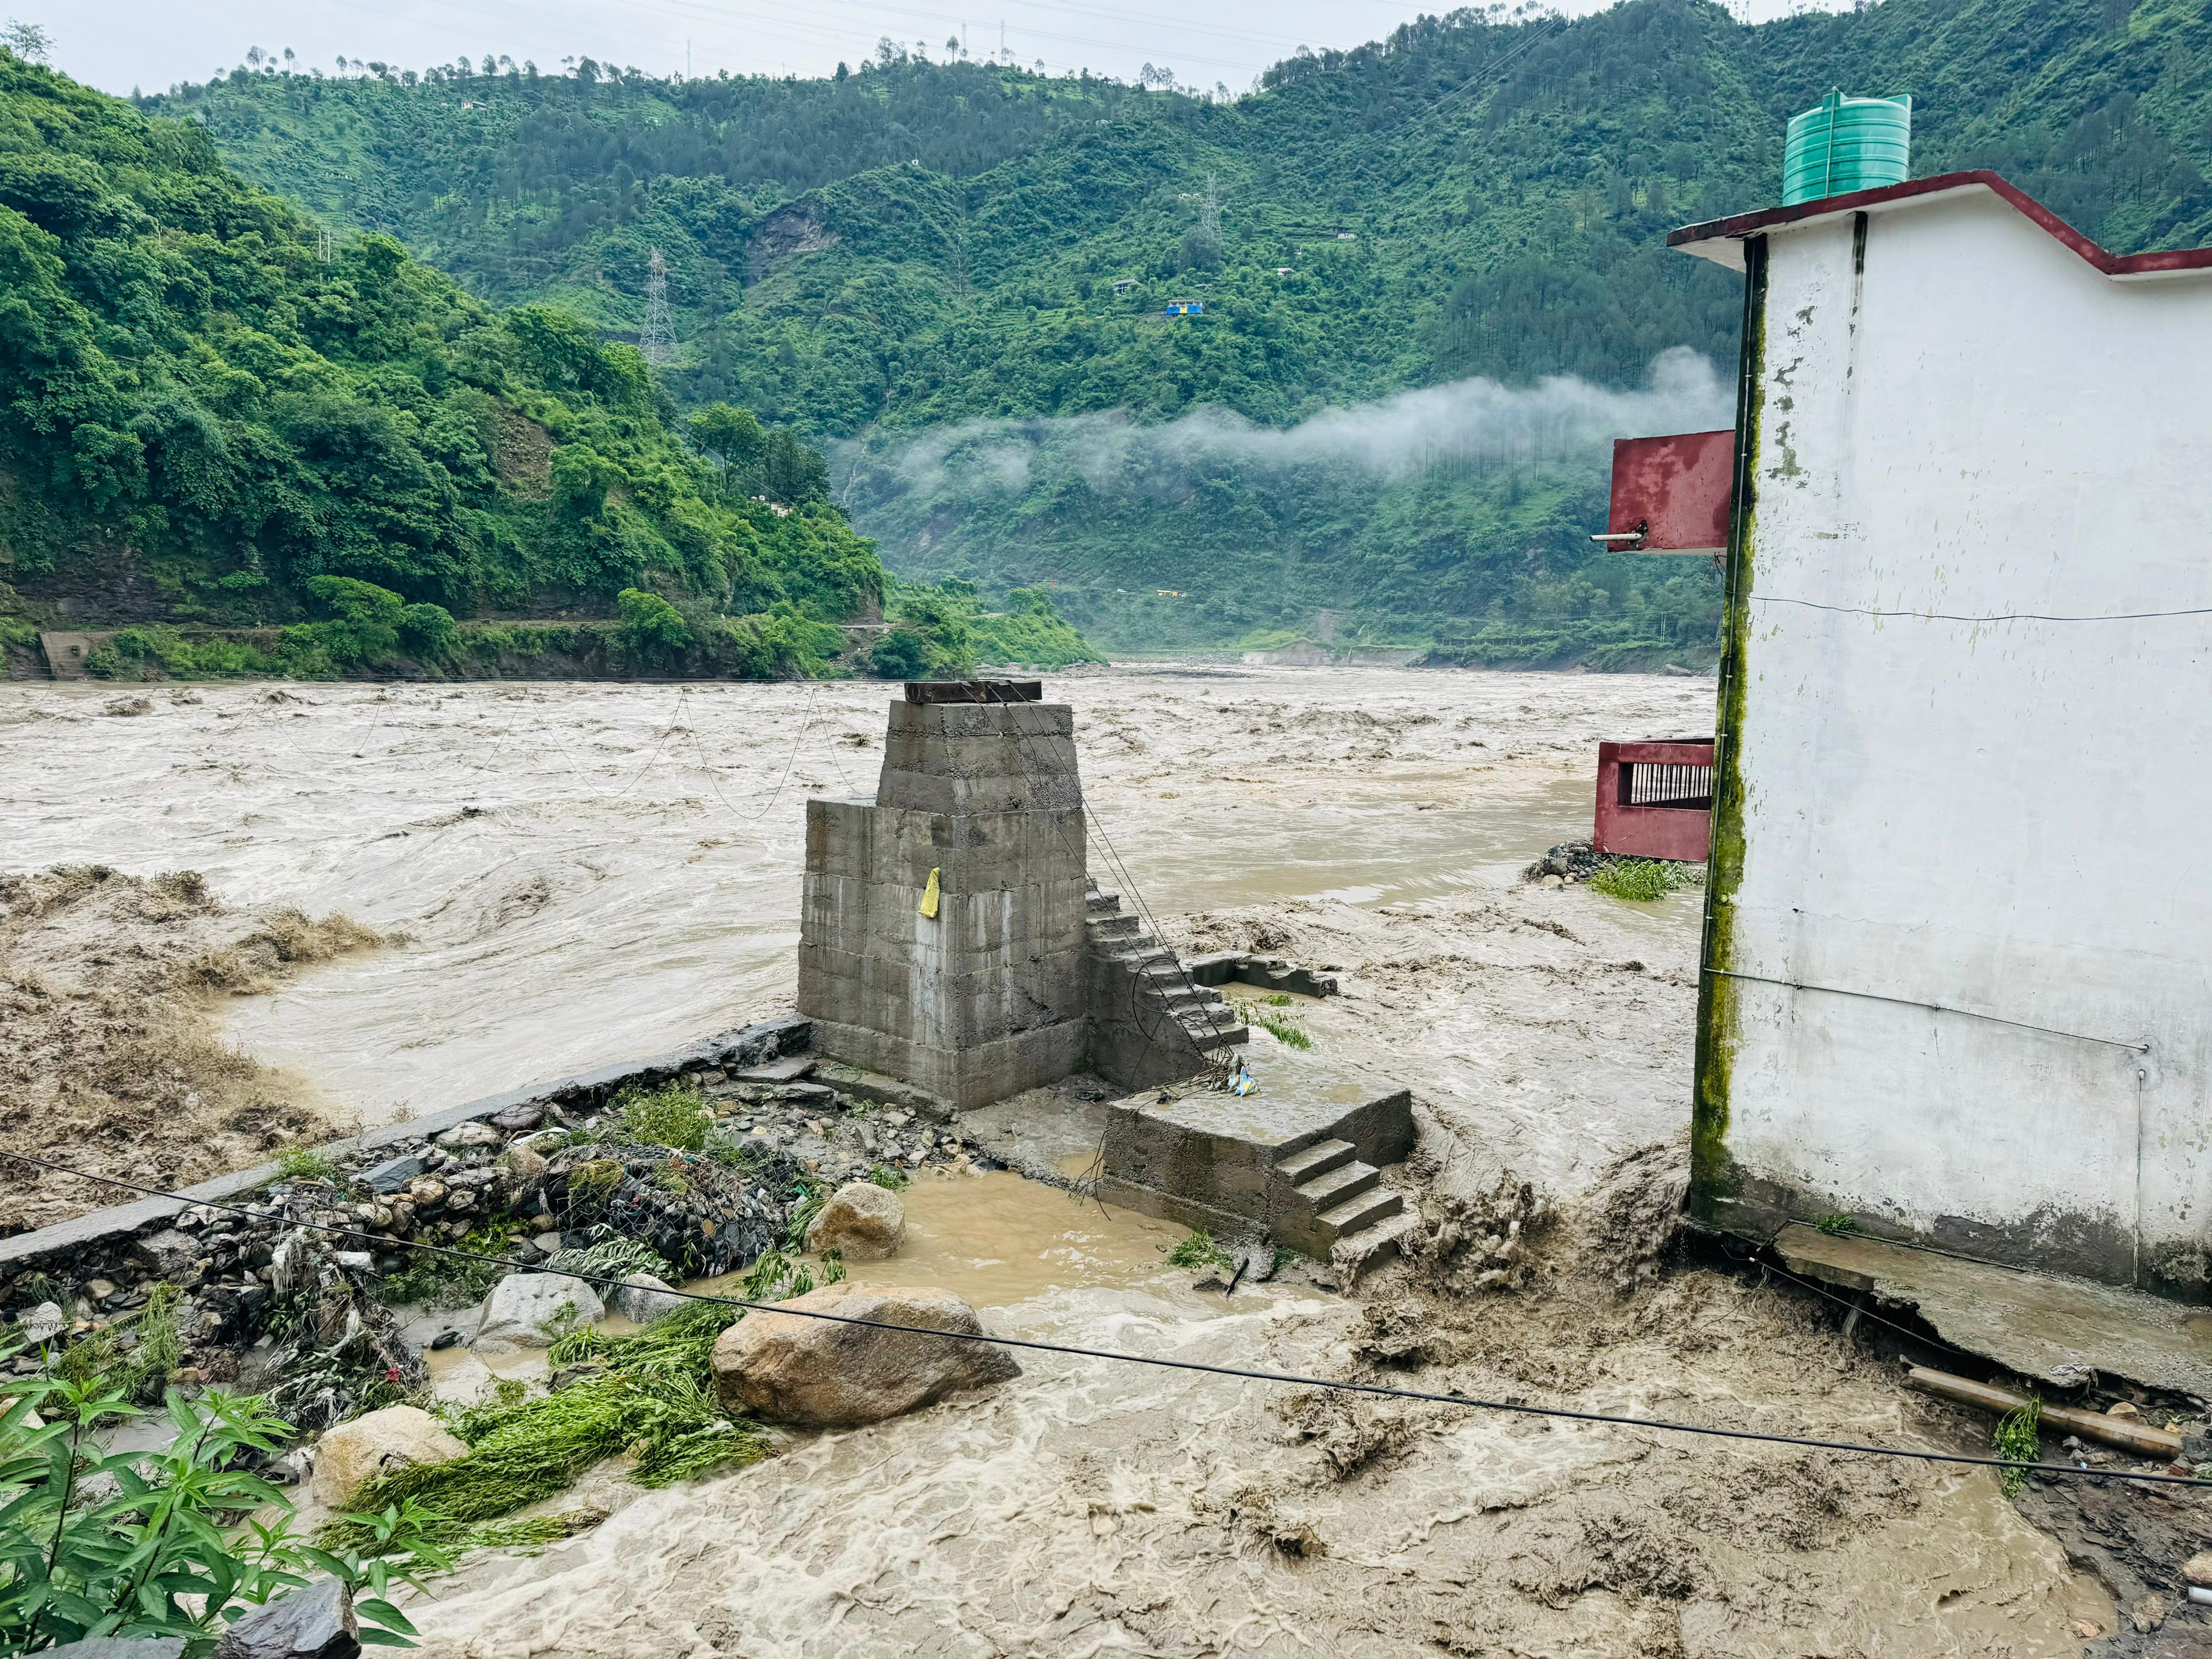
1209	208
657	340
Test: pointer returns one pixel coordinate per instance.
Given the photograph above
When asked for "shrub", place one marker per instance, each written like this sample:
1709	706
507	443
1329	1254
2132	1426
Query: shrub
426	629
163	1557
652	631
900	654
676	1118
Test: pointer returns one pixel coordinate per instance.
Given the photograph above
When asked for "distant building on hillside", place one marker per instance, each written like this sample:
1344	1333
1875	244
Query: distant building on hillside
1185	308
1123	284
1957	977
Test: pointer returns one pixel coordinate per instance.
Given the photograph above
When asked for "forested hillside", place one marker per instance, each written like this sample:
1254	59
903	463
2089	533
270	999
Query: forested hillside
914	246
208	421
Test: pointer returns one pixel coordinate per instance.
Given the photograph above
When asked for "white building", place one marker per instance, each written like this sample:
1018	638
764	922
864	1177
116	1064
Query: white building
1959	935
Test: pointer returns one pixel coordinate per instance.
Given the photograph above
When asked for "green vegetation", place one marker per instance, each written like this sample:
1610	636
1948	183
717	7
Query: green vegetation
210	423
651	1395
613	1258
2017	1439
923	260
1270	1015
166	1556
674	1117
306	1164
1644	881
1838	1225
436	1280
1199	1250
891	1180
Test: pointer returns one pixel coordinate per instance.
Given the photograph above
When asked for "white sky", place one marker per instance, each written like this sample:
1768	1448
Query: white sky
118	45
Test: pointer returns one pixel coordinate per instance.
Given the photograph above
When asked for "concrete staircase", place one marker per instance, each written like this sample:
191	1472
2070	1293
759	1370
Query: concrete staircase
1157	985
1336	1204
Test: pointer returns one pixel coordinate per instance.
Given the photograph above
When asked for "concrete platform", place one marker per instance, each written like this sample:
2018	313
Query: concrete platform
2038	1325
1297	1161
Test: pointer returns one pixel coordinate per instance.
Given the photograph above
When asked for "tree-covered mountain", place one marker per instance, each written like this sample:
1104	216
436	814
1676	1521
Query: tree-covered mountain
911	246
209	417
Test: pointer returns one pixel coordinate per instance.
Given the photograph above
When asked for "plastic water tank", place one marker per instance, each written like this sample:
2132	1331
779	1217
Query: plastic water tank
1842	145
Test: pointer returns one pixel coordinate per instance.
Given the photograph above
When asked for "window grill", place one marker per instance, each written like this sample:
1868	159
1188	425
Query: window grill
1666	785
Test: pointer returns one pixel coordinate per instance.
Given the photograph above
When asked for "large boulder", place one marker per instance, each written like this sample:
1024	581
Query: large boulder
862	1221
375	1444
820	1374
528	1310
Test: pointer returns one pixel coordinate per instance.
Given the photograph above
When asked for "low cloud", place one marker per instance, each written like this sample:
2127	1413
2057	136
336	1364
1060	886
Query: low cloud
1475	421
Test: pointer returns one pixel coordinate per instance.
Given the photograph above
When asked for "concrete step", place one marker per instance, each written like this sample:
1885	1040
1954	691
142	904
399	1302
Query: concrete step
1114	926
1172	992
1340	1185
1373	1245
1317	1159
1364	1211
1226	1035
1101	902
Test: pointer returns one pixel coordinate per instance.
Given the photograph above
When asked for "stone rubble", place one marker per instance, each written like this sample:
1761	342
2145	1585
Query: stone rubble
236	1264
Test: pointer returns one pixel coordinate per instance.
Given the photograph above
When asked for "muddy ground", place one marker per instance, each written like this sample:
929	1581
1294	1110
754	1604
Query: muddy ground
110	1057
592	871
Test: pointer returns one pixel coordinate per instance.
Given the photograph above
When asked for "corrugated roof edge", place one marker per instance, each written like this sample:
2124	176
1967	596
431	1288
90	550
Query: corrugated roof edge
1734	229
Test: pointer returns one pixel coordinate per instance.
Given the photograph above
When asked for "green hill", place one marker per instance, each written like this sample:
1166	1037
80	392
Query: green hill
213	419
885	256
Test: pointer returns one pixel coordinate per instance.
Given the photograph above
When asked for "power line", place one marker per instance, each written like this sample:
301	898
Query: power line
2009	616
1244	1373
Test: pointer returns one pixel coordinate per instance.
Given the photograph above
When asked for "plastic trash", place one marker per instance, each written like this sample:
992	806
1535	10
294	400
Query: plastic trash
929	898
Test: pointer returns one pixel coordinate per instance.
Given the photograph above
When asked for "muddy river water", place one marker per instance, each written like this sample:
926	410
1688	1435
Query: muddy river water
585	872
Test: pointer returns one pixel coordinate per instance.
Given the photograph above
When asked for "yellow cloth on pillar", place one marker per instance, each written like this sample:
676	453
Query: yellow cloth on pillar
929	898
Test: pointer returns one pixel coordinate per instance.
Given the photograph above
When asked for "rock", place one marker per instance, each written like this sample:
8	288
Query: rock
389	1176
523	1168
375	1444
548	1243
2197	1568
2122	1408
462	1135
168	1252
426	1192
790	1069
863	1221
314	1623
642	1298
44	1322
515	1119
99	1289
816	1374
526	1310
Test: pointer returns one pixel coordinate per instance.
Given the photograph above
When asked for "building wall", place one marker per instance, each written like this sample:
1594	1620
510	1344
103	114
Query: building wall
1962	830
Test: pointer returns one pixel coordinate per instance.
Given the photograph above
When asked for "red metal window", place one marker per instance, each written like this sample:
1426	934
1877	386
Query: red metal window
1655	800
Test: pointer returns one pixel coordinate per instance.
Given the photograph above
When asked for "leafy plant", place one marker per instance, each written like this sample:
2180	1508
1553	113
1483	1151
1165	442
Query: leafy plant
306	1164
612	1258
674	1117
160	1559
809	1206
1838	1225
1199	1250
885	1176
2017	1439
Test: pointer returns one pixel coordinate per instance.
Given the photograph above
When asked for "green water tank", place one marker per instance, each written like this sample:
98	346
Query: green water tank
1842	145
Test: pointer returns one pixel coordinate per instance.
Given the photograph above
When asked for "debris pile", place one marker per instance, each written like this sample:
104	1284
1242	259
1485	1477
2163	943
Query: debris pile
291	1289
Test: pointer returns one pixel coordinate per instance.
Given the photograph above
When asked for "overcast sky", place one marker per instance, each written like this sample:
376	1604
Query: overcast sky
118	45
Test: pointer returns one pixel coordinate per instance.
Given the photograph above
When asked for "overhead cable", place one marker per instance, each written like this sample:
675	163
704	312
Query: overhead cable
1377	1390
